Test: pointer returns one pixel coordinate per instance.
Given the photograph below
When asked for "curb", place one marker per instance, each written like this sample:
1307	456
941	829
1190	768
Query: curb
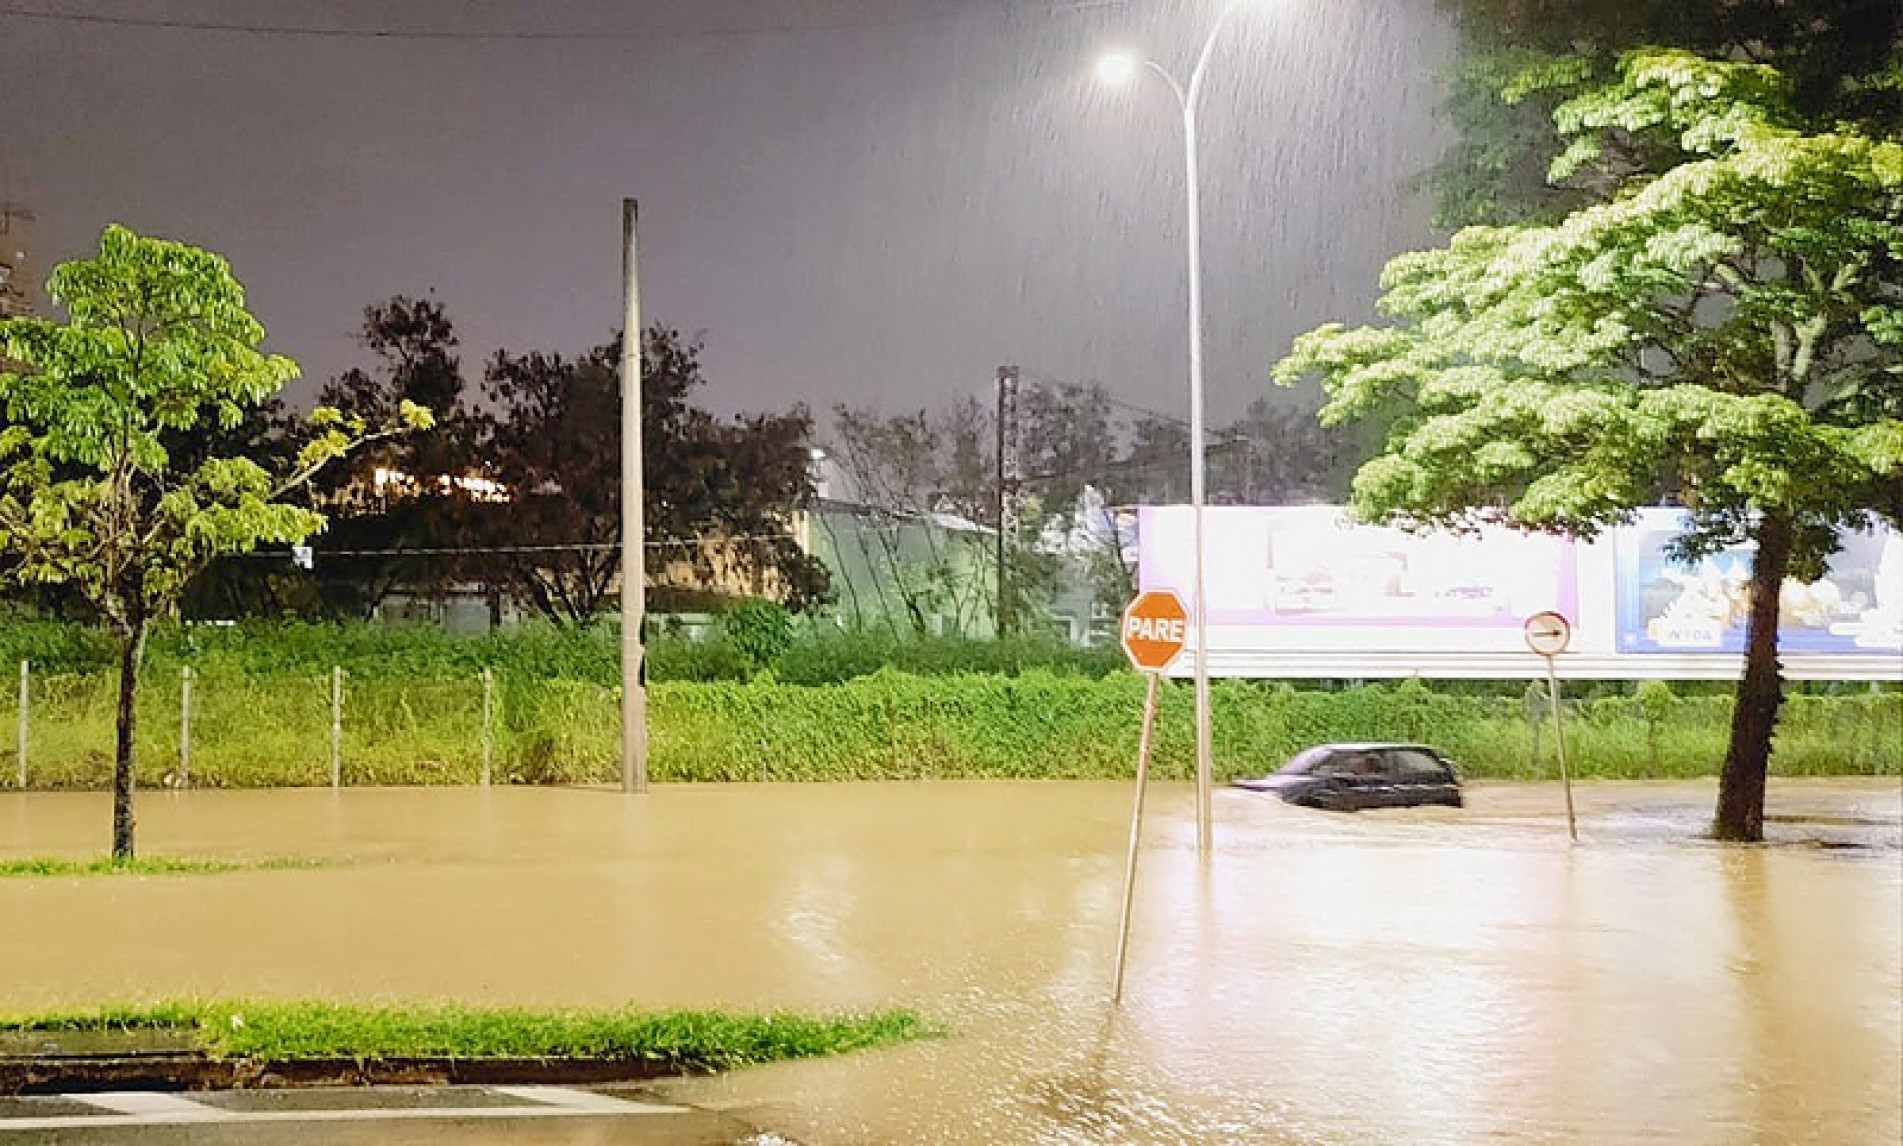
79	1074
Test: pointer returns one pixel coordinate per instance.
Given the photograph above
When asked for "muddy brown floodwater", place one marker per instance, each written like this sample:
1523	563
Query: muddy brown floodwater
1406	977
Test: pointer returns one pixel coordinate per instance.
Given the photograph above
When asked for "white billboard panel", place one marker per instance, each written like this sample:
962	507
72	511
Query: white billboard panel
1302	592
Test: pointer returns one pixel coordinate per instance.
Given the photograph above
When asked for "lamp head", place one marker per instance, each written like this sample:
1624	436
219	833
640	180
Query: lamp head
1117	69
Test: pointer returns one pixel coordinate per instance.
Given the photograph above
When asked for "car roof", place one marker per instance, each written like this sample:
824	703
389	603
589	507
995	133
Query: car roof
1372	746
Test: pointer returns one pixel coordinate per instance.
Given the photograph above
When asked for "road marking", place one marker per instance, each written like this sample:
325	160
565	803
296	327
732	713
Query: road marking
585	1100
144	1108
147	1105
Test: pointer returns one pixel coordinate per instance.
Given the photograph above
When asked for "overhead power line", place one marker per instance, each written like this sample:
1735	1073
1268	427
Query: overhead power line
1139	464
486	550
1132	407
466	34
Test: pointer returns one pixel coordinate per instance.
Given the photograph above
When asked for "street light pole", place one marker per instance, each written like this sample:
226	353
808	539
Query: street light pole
1116	68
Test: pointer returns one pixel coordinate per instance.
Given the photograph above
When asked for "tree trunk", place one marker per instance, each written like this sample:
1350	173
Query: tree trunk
1760	692
130	653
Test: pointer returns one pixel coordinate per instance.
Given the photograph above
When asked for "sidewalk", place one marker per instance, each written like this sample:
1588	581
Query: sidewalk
497	1114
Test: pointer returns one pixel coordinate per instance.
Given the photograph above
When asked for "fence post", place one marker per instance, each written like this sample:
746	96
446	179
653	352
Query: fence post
185	727
21	742
1873	710
488	725
336	726
1534	719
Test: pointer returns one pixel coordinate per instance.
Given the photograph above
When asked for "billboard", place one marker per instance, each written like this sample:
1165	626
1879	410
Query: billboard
1305	577
1668	606
1302	591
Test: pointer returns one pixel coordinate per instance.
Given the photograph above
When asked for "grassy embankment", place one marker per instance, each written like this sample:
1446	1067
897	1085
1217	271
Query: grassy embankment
413	715
142	865
682	1041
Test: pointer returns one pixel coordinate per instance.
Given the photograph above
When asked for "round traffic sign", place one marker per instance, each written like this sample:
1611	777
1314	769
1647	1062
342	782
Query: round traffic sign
1548	633
1155	628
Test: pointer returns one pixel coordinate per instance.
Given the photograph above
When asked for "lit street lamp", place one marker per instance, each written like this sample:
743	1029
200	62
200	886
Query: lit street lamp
1118	69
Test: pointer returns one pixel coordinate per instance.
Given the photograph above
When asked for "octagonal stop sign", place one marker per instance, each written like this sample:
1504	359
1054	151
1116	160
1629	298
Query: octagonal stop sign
1155	627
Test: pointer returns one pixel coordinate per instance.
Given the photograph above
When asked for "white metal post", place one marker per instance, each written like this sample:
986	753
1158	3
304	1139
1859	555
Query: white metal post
336	726
185	726
634	701
25	692
488	725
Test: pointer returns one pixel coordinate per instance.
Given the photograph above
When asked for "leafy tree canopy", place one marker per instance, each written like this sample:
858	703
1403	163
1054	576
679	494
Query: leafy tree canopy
159	343
1842	61
1729	331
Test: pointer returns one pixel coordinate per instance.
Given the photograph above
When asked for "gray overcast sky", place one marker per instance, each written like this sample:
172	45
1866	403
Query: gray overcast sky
884	206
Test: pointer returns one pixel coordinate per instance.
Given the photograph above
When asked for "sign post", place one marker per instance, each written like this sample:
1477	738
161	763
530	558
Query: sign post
1153	632
1548	634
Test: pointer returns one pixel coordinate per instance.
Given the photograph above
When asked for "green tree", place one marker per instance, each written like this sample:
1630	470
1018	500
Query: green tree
719	494
94	491
423	503
1841	58
1728	334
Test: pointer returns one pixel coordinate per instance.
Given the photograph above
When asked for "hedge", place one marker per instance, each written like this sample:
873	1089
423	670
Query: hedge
810	654
251	730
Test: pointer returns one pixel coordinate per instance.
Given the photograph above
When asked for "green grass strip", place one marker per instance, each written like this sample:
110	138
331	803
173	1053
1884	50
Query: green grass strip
145	865
689	1041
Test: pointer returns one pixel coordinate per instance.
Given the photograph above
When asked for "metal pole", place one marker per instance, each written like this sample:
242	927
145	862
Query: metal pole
488	726
1196	489
185	726
1187	99
1559	747
634	700
1136	831
336	726
25	691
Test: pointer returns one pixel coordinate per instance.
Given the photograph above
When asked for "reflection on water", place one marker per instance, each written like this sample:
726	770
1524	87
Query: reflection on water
1422	977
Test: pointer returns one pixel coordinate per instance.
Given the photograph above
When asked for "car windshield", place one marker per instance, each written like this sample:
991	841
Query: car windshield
1304	762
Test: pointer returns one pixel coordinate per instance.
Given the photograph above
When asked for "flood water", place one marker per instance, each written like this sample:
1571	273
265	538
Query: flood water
1398	977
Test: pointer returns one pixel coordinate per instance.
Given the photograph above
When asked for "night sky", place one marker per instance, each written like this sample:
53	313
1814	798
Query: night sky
855	200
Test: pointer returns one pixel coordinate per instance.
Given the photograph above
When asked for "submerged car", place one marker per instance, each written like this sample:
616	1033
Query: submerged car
1350	777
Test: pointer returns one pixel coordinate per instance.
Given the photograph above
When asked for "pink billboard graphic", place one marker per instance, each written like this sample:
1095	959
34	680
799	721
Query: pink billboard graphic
1308	566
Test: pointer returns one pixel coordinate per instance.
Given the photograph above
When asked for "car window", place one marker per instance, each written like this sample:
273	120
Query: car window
1309	760
1326	765
1361	764
1417	765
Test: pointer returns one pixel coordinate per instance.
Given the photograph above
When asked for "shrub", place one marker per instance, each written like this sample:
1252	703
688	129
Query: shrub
682	658
759	630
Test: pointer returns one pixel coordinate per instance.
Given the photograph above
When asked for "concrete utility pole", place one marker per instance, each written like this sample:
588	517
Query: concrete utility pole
634	696
17	272
1005	620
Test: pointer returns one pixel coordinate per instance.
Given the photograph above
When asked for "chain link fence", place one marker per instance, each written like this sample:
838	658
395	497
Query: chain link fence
359	728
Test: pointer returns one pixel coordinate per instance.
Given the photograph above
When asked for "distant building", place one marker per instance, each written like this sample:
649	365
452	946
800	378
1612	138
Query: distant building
905	569
18	285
